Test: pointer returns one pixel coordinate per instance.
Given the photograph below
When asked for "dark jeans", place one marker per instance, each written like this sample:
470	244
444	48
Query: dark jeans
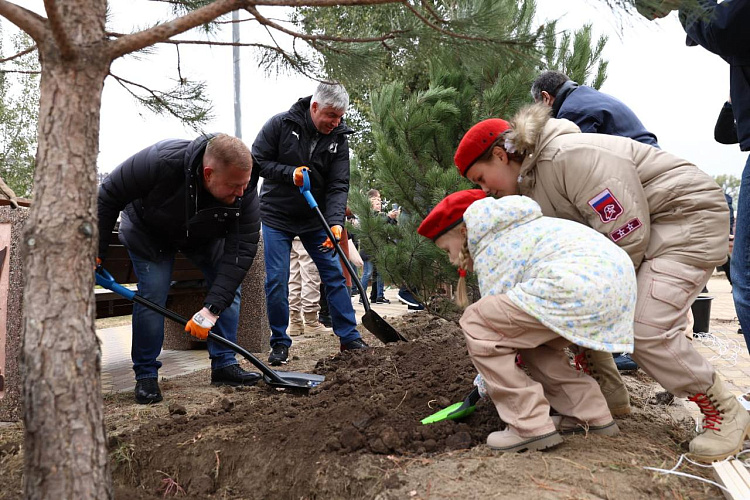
740	270
277	245
154	279
369	271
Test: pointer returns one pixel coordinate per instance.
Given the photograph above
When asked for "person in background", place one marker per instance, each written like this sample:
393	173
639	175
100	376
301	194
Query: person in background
304	293
195	197
593	111
370	270
545	283
310	137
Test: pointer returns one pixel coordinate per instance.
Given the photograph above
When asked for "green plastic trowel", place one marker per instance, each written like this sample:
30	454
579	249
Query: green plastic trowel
455	411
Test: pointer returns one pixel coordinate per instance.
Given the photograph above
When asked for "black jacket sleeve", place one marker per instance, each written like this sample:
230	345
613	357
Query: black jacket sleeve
131	180
719	27
725	131
265	150
337	186
239	252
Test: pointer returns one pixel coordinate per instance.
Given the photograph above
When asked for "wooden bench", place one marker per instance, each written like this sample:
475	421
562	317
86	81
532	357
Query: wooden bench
186	278
186	296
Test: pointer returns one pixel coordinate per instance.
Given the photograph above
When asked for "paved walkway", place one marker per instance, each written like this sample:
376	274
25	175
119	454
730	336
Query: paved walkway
117	368
724	347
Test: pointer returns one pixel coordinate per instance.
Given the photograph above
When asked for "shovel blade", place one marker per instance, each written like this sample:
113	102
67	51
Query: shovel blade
295	380
453	412
380	328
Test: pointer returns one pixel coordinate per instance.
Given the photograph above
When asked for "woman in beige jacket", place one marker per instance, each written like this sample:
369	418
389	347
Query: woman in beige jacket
668	215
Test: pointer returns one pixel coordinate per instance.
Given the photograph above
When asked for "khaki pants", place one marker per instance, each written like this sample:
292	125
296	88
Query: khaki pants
666	290
304	281
495	329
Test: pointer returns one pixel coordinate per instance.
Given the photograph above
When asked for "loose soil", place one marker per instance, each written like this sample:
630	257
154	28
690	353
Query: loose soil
358	435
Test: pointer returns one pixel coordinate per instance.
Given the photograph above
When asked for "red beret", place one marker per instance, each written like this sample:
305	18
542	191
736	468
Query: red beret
477	141
448	213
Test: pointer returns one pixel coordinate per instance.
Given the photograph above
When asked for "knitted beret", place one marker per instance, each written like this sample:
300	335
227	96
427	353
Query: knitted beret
448	213
477	141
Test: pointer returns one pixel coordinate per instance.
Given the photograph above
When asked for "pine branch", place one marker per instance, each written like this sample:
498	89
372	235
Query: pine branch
54	18
267	22
20	54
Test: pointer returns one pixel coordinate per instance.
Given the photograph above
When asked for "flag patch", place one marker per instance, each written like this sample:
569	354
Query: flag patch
607	206
625	230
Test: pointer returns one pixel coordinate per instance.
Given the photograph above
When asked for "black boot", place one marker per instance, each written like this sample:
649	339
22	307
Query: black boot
234	375
147	391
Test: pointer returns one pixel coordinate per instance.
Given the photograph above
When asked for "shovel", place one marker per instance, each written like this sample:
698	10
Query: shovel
372	321
287	380
455	411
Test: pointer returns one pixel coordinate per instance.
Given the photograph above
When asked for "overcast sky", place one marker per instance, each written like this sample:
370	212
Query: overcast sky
677	91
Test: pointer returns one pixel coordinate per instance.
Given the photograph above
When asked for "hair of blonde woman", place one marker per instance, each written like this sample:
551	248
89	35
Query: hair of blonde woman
224	150
462	294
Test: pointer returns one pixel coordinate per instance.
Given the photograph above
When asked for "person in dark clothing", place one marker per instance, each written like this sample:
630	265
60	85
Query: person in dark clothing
195	197
722	28
591	110
310	137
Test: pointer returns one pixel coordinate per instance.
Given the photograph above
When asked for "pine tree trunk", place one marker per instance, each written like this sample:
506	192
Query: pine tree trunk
66	449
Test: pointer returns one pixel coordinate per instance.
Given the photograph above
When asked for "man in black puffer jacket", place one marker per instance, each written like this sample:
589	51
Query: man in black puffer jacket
197	198
310	136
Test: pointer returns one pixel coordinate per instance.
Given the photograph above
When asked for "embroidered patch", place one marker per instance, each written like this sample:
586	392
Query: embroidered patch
607	206
333	148
625	230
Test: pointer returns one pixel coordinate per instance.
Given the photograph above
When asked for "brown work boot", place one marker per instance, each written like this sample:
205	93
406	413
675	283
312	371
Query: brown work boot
508	441
313	326
726	424
296	326
570	425
601	365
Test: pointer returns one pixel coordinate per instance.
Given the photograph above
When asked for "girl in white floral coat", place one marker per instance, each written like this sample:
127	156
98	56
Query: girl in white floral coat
545	283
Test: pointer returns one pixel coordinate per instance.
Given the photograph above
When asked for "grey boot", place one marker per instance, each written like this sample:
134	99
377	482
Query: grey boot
726	424
601	365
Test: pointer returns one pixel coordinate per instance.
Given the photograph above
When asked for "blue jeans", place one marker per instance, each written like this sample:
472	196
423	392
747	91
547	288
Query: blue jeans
741	256
154	279
367	274
277	245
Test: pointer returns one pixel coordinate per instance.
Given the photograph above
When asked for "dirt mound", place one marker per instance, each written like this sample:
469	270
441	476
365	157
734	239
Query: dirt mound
371	403
359	435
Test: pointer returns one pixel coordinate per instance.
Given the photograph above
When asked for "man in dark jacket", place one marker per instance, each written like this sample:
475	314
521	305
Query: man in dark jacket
191	197
310	136
593	111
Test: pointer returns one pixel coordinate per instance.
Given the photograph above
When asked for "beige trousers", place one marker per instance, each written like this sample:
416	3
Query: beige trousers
495	329
304	281
666	290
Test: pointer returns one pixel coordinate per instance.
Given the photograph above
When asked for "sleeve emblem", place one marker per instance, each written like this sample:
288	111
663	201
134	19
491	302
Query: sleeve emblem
606	206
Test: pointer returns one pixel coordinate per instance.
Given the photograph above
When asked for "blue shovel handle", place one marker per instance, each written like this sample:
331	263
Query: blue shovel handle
105	280
305	190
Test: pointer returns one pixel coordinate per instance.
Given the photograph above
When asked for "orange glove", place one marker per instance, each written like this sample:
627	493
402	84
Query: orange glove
328	244
299	179
98	263
201	323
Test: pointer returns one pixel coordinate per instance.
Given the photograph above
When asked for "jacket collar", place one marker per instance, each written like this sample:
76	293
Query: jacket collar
563	94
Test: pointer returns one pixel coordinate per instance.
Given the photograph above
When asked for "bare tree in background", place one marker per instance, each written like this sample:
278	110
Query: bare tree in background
65	442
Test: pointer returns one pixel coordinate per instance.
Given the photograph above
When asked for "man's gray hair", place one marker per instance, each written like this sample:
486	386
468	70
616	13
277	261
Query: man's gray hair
550	82
331	95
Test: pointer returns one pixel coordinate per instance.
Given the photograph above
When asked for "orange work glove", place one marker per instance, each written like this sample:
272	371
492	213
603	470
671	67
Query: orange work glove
98	263
201	324
299	179
328	244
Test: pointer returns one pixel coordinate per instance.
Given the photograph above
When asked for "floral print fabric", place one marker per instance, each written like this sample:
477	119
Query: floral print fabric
571	278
